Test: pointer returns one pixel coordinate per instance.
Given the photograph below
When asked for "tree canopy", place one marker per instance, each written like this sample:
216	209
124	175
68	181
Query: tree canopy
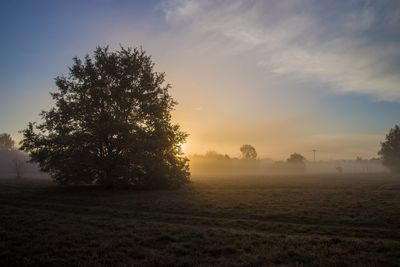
390	150
296	158
248	152
111	125
6	142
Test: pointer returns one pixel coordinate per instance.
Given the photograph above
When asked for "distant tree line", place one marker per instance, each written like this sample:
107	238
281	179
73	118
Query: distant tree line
249	153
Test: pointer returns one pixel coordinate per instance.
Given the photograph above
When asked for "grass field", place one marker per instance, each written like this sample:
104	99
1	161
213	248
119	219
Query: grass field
347	220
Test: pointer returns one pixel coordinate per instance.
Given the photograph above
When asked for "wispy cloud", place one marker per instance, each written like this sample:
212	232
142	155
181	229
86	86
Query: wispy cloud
352	46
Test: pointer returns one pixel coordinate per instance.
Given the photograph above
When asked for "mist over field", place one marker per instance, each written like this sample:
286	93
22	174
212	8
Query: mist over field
7	164
218	165
201	165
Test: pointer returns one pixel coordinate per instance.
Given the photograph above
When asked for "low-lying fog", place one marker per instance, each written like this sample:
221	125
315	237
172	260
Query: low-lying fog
219	165
202	165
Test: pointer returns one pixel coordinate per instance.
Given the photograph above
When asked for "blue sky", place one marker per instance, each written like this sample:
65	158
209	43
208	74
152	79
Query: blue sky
285	76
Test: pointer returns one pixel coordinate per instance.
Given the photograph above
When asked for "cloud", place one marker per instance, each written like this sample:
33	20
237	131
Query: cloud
179	10
352	46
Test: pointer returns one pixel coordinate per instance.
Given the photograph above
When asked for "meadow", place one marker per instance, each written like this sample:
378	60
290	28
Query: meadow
293	220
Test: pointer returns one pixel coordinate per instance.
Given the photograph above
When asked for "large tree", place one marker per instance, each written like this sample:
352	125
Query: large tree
111	125
390	150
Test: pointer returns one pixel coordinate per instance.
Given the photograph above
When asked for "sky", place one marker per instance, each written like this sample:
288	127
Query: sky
284	76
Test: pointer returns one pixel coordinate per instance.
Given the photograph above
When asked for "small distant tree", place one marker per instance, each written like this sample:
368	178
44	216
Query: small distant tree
296	158
111	125
390	150
6	142
248	152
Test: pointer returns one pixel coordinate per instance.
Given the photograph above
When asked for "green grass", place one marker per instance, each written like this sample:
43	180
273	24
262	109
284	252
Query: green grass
347	220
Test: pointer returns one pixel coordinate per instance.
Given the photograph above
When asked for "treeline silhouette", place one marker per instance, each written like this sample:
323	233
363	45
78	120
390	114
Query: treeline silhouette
213	163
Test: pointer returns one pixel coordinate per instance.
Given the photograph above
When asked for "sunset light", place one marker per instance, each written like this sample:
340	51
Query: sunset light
200	133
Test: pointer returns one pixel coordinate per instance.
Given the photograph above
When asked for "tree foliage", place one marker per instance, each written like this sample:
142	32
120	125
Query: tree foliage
296	158
6	142
111	125
248	152
390	150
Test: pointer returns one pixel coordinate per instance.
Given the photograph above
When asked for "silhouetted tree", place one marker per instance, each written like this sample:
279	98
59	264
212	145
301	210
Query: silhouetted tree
6	142
390	150
296	158
248	152
111	125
